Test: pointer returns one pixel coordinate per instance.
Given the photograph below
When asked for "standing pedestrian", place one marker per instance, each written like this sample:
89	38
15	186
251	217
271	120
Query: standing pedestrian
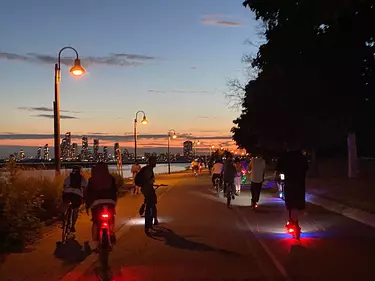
257	169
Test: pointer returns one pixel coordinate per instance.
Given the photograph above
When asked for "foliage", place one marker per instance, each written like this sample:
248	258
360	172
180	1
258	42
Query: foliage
19	203
315	74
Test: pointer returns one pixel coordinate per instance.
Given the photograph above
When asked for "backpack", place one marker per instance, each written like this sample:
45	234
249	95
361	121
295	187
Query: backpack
139	177
75	181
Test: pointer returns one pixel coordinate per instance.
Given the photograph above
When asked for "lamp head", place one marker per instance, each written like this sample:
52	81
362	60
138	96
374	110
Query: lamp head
174	136
77	69
144	120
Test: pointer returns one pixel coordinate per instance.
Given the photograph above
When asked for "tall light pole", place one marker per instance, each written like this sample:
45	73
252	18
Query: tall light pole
144	122
76	70
169	155
196	142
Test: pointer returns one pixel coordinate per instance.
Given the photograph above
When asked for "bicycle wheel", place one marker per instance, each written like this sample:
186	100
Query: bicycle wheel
218	188
66	224
104	250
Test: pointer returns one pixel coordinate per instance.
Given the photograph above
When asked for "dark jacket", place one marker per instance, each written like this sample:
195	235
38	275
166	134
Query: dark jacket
229	172
293	164
94	193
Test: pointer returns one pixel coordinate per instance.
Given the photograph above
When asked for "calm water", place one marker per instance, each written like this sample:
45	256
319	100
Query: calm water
159	169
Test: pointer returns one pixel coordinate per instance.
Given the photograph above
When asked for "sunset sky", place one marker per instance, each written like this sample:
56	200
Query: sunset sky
170	58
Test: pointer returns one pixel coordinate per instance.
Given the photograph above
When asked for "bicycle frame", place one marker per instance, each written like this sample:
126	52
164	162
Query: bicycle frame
67	221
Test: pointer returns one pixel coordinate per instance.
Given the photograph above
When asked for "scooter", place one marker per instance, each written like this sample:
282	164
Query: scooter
281	185
293	227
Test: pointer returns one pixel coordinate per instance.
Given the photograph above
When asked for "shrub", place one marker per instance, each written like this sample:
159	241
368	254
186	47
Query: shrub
19	204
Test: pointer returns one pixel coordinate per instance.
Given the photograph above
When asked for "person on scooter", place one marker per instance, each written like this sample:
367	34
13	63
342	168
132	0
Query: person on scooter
101	191
293	164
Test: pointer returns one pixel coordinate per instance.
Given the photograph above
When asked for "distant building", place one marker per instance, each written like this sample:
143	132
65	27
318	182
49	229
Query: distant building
39	153
66	149
74	150
96	150
46	152
188	149
105	153
85	148
115	150
22	154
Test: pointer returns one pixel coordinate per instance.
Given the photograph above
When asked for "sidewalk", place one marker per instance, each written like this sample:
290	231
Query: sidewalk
356	193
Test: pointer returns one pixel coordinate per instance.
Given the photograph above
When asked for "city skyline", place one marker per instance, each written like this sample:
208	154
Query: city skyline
178	78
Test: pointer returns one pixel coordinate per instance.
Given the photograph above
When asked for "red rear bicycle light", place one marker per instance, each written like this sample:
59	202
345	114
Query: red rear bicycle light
105	224
243	171
290	230
105	215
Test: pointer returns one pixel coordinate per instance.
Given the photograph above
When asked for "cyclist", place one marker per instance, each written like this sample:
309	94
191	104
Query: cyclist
74	184
101	191
217	171
229	175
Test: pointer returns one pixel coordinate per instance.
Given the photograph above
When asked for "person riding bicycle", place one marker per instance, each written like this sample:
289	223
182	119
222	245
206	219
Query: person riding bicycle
293	164
195	166
101	191
229	175
147	180
73	188
217	171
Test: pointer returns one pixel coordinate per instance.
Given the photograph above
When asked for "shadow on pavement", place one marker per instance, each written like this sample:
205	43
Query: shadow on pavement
170	238
295	265
71	252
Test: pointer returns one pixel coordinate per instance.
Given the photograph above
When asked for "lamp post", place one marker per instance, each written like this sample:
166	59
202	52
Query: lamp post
76	70
144	122
168	154
196	142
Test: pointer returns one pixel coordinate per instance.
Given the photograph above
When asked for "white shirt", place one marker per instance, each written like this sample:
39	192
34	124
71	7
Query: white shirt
257	168
217	168
78	191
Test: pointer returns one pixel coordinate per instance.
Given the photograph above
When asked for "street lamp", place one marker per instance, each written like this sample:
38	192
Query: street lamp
76	70
168	155
144	122
196	142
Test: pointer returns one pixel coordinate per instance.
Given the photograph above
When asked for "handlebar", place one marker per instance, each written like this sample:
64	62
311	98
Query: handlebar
159	185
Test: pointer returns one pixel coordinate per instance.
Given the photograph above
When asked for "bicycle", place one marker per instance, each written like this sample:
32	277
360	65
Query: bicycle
217	186
149	216
230	193
67	223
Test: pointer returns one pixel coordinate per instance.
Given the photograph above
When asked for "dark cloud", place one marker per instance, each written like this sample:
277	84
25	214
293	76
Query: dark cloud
42	108
14	136
119	59
219	20
51	116
179	92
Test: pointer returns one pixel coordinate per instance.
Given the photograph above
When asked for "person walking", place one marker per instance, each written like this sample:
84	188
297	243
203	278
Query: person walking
237	179
257	169
136	167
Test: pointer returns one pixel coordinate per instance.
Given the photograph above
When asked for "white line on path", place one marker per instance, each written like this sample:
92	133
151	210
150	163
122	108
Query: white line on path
276	262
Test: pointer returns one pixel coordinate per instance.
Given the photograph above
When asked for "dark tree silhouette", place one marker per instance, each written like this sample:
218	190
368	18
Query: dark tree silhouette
315	80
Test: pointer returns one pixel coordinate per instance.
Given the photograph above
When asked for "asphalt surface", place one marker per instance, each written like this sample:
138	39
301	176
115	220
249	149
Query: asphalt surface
199	238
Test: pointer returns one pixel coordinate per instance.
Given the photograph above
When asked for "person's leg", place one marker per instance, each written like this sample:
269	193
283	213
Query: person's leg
74	219
94	229
253	193
258	189
238	184
148	217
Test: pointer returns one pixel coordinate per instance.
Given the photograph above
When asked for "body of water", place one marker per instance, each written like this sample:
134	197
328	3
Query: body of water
159	169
